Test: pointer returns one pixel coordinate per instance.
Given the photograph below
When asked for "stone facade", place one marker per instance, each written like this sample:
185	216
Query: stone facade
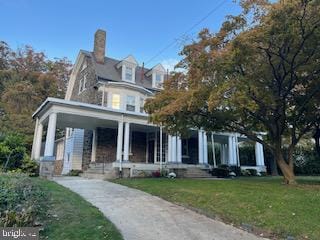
106	145
87	148
90	94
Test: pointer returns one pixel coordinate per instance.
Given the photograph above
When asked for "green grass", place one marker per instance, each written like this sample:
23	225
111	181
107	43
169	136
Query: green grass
71	217
271	207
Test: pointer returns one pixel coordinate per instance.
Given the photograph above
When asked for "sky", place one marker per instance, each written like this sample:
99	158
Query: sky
141	28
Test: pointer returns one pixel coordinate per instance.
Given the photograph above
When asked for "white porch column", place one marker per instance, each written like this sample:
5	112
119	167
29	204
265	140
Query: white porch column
94	145
213	151
179	150
38	141
174	149
51	133
259	155
126	142
205	148
230	150
169	148
119	141
34	138
200	146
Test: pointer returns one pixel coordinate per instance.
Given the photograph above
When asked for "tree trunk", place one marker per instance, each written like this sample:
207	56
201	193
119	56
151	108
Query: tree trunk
286	169
316	137
273	167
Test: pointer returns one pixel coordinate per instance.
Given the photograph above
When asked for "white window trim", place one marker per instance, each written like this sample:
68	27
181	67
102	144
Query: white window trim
135	103
82	83
133	76
154	82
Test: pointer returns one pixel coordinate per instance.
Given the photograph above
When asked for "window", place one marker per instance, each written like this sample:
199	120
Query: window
104	99
84	65
115	101
128	73
83	84
131	105
141	105
158	80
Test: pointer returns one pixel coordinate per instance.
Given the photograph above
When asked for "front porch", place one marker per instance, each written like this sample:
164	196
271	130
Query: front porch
126	142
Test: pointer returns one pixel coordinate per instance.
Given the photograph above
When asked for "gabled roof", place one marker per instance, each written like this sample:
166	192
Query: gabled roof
110	72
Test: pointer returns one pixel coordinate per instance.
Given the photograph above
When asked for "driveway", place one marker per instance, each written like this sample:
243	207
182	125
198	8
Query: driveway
141	216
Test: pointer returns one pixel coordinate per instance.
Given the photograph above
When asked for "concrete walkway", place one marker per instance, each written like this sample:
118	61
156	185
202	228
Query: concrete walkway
141	216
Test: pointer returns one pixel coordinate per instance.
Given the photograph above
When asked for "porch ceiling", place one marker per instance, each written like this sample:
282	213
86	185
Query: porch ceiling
85	122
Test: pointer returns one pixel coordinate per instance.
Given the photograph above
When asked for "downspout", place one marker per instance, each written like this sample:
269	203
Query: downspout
160	149
120	166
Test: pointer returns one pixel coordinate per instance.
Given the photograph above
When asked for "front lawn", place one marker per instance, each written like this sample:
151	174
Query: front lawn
263	205
64	214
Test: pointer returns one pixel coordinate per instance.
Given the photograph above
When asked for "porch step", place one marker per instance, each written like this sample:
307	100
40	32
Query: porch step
104	176
197	173
99	171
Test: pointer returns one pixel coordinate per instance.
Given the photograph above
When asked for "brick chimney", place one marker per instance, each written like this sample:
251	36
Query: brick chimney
99	45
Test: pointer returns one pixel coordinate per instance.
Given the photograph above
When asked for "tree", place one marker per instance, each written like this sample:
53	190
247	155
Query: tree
27	78
259	73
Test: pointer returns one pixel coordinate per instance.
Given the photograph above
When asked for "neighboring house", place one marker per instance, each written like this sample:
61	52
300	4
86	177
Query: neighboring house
107	129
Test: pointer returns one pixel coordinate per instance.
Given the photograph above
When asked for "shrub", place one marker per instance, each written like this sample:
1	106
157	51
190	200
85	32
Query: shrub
74	172
12	151
164	173
263	174
220	172
30	167
236	170
22	203
307	162
156	174
253	172
245	172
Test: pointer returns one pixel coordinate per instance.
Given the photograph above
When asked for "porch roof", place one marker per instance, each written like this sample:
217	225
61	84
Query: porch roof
83	115
62	102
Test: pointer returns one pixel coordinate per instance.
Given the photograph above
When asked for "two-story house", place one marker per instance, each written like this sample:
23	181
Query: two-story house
108	132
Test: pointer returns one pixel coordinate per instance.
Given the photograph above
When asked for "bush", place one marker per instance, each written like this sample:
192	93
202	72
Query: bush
22	203
263	174
236	170
245	173
220	172
12	151
30	167
74	172
253	172
156	174
307	162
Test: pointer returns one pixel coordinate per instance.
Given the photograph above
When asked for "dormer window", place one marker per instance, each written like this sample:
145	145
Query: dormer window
158	80
128	68
129	74
157	73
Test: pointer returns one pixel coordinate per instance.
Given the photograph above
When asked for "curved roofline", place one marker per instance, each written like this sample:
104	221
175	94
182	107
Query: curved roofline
126	84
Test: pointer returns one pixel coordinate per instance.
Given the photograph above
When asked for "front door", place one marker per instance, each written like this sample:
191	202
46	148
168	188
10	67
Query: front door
151	151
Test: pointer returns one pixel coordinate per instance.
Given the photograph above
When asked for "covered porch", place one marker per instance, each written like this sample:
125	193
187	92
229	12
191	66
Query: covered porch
126	141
